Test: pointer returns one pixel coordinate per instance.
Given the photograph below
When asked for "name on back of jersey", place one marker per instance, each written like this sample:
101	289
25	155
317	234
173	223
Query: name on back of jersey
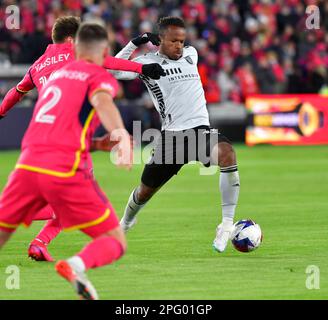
68	74
52	60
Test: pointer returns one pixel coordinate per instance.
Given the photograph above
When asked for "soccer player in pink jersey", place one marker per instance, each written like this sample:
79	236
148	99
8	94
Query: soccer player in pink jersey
55	165
55	57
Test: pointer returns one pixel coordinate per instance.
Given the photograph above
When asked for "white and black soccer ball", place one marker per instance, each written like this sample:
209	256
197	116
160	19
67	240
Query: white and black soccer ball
246	235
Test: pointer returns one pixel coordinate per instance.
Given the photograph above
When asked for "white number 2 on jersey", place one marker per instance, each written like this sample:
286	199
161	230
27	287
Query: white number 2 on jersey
42	115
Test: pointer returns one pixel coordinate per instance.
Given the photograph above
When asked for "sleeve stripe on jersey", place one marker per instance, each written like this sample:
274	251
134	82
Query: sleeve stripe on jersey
21	91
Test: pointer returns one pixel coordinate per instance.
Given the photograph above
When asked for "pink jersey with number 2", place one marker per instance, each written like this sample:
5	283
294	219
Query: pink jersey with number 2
59	135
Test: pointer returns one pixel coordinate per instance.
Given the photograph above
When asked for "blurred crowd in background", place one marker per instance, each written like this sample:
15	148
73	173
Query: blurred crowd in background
244	46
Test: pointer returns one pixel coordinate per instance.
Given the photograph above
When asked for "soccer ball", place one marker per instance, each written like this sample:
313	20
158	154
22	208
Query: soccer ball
246	236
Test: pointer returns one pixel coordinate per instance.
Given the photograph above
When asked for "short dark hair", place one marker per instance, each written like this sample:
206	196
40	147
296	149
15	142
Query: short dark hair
165	22
89	32
64	27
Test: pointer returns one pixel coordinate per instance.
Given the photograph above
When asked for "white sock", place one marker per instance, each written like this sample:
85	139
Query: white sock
132	208
229	188
77	264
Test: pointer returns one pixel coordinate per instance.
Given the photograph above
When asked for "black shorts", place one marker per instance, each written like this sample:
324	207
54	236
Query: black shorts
176	148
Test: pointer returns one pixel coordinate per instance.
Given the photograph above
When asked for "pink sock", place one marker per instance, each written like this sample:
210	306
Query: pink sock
101	251
49	231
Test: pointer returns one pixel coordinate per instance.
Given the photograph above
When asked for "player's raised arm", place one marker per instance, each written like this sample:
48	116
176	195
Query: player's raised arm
151	70
128	50
15	94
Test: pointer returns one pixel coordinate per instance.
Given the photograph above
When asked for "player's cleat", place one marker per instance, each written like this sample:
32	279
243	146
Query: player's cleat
127	226
79	280
223	235
38	251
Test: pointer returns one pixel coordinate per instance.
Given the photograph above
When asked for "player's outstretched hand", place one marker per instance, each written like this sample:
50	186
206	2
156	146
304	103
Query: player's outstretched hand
153	70
146	37
105	143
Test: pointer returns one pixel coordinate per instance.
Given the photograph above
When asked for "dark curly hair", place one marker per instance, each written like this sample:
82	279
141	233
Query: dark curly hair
165	22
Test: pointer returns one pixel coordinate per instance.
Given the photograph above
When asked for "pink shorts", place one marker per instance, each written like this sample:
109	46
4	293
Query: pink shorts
78	202
46	213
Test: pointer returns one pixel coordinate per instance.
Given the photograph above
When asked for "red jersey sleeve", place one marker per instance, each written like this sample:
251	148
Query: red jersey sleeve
15	94
103	81
26	84
10	99
122	64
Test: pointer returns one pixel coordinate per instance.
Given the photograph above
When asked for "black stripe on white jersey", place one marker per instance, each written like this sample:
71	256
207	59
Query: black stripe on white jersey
157	93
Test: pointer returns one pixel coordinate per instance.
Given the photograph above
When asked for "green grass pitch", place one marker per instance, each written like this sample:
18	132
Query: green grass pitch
170	255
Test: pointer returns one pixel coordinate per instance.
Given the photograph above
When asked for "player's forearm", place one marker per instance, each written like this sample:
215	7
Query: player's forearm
122	64
127	51
10	99
125	54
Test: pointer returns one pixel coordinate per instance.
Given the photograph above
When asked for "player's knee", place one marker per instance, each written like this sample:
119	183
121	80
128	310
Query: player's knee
119	236
123	244
226	154
122	240
144	193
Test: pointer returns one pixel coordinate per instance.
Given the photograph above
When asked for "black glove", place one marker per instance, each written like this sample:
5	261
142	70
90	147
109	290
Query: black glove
153	70
1	116
146	37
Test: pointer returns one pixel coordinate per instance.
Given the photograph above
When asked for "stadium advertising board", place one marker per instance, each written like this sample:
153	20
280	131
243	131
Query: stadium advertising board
287	119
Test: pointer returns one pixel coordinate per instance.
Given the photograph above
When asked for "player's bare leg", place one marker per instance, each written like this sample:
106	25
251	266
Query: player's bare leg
137	200
4	237
229	188
102	250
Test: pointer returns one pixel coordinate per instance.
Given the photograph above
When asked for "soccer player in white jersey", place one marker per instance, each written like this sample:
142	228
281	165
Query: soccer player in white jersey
179	99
